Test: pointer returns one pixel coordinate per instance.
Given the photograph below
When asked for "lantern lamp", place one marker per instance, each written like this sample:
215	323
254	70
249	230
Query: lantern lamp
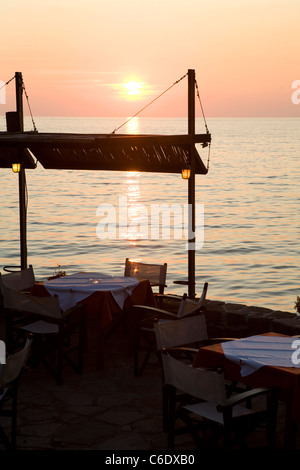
186	172
16	167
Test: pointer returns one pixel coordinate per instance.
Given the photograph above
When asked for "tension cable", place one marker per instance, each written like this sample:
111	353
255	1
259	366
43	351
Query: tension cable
175	83
12	78
27	99
205	123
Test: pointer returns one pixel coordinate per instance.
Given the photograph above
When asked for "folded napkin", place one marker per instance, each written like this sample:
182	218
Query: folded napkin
258	351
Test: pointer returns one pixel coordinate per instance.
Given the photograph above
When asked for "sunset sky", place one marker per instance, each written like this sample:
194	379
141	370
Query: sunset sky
77	57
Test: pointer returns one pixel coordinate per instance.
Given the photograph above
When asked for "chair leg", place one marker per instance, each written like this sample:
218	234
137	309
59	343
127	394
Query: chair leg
192	428
4	439
136	345
227	429
60	356
272	405
171	416
149	349
80	358
139	370
165	408
136	363
14	418
81	343
9	333
171	430
10	444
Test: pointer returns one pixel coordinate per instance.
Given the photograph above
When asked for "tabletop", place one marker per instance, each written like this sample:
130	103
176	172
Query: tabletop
287	379
75	287
103	297
256	351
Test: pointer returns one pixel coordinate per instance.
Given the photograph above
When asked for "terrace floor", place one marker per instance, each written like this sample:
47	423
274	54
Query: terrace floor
108	409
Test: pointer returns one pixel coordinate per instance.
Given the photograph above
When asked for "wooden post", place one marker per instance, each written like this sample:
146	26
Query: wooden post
19	100
191	185
22	176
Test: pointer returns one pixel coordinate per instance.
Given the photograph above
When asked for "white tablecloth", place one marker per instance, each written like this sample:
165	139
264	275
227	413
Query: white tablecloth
76	287
257	351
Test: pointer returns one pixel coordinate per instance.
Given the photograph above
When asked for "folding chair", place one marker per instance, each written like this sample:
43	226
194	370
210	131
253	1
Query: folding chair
21	280
10	375
187	335
155	273
142	319
54	330
208	388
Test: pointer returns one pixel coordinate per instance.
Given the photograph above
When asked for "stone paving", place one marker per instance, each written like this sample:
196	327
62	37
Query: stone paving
106	409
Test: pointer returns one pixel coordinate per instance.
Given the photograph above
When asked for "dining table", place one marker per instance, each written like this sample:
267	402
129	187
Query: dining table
264	360
104	296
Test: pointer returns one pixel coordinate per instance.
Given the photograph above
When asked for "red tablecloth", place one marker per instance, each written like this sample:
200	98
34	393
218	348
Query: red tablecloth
101	309
287	379
103	305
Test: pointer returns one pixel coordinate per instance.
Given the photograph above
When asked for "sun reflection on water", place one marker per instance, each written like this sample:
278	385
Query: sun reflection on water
132	126
136	212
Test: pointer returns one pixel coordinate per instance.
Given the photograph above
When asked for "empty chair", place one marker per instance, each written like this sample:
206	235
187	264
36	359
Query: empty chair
155	273
10	374
54	330
188	333
182	332
212	406
189	306
142	319
21	280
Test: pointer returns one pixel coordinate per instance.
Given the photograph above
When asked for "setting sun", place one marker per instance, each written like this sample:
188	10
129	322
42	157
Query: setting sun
133	88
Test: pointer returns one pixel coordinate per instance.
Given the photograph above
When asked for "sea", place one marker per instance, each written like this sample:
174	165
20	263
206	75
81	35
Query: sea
248	206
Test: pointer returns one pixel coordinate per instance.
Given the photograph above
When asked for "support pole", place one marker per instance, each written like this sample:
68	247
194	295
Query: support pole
22	176
191	186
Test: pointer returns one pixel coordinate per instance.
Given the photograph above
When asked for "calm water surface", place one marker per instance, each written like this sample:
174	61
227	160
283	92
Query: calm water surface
251	211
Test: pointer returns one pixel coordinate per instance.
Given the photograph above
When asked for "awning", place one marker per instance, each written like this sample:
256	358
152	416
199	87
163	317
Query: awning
145	153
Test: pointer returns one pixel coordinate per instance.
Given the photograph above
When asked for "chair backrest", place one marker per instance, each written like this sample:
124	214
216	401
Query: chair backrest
189	306
155	273
45	306
14	364
19	280
184	331
200	383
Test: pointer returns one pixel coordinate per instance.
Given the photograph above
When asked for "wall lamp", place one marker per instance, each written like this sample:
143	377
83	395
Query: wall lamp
186	172
16	167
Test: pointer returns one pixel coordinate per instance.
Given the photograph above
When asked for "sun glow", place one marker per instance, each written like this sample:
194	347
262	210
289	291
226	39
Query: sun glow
133	88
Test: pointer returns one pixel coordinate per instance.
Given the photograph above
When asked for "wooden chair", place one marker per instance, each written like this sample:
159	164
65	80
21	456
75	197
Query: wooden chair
18	279
143	318
54	330
187	333
212	406
21	280
10	375
155	273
